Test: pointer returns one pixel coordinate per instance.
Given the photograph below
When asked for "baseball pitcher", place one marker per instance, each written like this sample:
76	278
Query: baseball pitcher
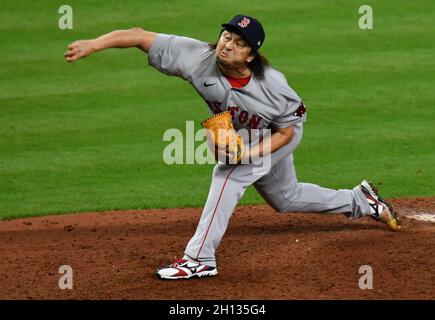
242	91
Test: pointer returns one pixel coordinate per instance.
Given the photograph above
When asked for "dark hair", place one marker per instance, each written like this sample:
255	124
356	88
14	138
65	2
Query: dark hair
257	66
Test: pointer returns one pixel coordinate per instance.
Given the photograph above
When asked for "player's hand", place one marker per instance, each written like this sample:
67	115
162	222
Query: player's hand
223	156
79	49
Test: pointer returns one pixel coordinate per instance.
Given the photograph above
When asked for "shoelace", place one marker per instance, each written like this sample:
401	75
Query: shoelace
392	211
176	263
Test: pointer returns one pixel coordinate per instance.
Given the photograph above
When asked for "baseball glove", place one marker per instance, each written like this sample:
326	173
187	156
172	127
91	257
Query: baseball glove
222	137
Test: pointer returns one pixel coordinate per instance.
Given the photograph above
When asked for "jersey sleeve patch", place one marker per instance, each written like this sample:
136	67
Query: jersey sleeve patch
300	111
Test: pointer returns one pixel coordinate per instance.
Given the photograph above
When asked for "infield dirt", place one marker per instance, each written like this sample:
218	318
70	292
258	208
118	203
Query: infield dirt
263	255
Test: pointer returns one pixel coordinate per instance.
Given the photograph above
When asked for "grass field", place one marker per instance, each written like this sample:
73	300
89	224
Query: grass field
88	136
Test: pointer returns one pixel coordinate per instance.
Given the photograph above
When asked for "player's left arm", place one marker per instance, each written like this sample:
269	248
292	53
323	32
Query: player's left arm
276	141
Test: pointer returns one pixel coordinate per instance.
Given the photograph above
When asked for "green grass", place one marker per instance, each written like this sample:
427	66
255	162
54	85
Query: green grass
88	136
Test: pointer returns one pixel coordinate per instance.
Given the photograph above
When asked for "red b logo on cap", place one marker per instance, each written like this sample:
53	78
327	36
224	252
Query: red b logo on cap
244	23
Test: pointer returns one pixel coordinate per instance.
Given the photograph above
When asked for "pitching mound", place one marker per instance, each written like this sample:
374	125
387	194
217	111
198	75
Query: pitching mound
263	255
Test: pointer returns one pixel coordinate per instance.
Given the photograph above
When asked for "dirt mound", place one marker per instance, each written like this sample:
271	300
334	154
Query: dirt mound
263	255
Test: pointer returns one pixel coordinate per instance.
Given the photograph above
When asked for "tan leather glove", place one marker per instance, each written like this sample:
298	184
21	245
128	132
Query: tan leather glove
222	136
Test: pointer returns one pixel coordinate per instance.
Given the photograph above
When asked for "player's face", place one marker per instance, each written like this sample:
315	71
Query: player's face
232	50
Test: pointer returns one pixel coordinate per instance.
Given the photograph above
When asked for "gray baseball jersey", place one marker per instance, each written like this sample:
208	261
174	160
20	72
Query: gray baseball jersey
262	103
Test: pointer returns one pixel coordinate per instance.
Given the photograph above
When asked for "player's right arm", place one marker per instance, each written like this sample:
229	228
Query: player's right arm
135	37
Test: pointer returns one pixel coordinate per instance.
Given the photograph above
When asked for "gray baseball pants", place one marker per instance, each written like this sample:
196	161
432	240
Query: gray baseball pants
278	185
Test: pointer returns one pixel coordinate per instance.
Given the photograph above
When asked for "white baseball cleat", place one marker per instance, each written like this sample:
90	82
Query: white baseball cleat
185	269
379	208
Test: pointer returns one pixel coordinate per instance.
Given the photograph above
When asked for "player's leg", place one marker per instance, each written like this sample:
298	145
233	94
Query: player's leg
284	193
227	188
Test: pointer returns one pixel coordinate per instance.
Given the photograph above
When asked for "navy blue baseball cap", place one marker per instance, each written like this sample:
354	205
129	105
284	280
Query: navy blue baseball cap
249	28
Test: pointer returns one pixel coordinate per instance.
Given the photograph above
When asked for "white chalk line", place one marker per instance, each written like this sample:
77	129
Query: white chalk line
428	217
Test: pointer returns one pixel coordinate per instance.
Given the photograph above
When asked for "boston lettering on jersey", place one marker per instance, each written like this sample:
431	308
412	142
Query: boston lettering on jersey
243	116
